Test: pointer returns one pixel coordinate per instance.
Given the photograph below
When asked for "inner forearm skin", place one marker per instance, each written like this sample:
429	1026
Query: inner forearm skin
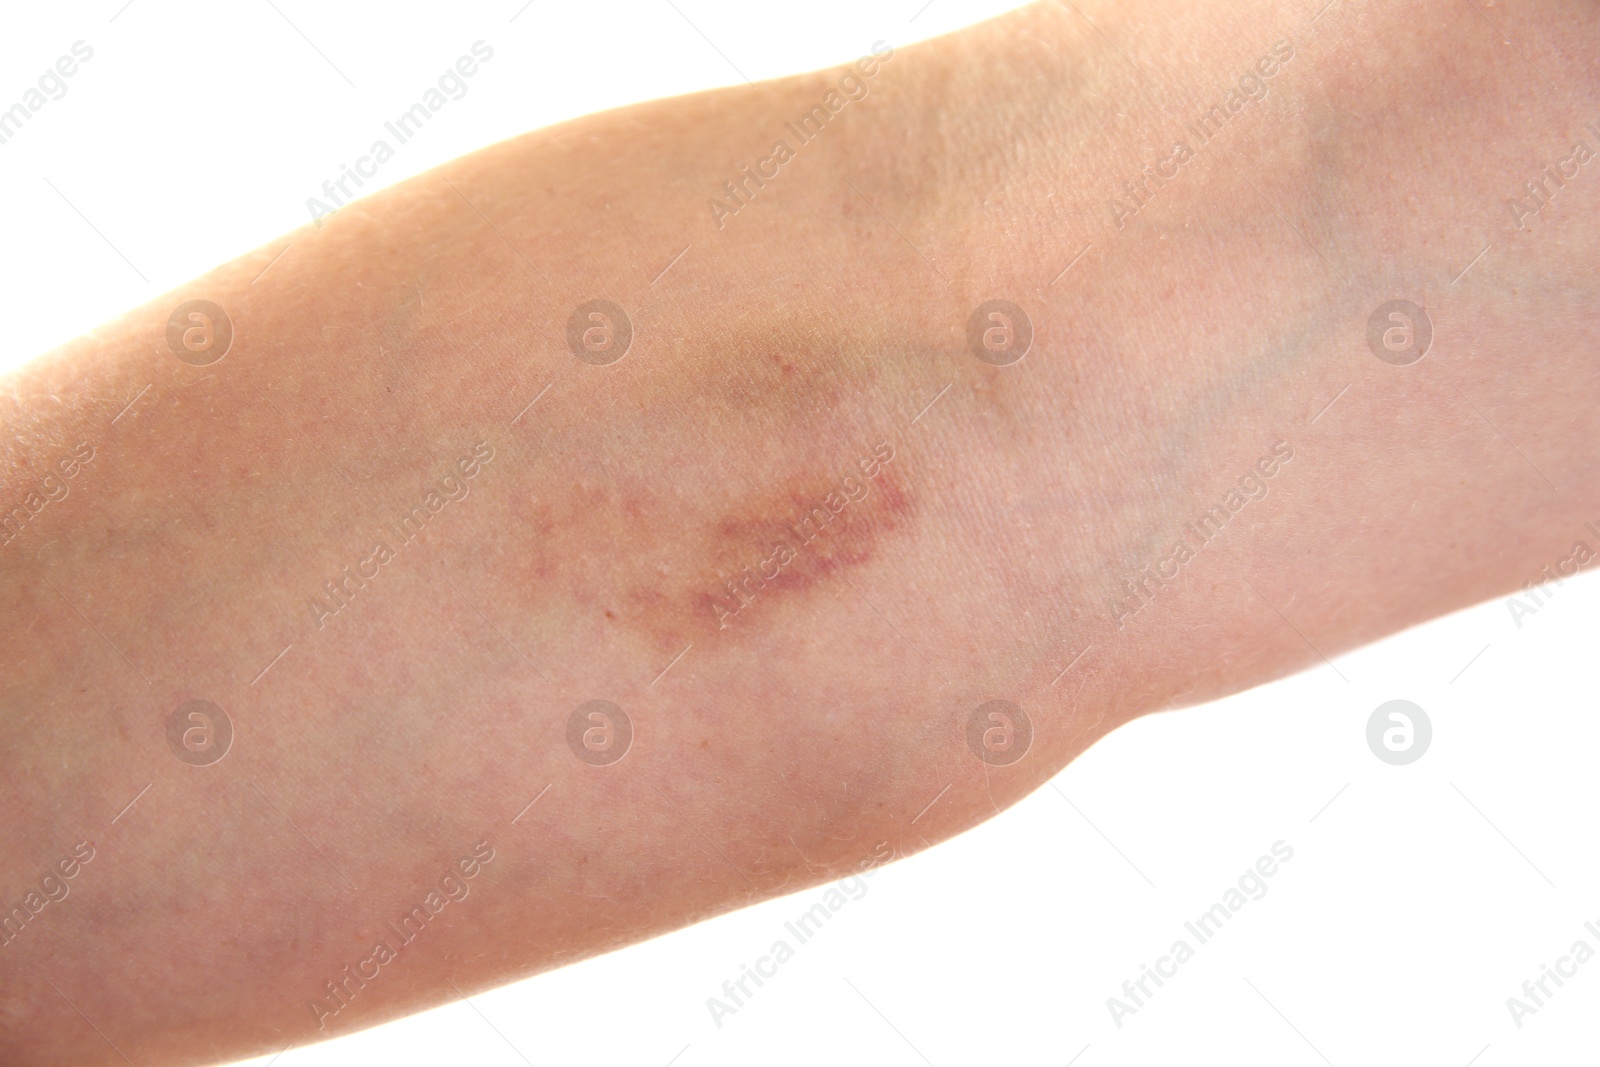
800	533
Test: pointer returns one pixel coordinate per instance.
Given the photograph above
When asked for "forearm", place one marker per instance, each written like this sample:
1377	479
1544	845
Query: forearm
799	722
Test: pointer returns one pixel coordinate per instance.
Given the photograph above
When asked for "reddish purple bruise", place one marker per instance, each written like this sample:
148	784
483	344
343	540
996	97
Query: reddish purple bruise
800	536
606	549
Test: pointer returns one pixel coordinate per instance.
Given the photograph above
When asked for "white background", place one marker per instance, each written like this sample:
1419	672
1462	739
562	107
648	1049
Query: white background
1419	898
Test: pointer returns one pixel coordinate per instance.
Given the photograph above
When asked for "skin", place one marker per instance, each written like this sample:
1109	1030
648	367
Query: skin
824	725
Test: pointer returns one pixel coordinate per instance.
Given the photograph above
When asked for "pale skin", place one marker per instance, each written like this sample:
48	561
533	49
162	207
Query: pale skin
819	721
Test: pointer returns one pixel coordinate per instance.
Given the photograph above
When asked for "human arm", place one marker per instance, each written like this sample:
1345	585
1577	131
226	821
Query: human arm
767	363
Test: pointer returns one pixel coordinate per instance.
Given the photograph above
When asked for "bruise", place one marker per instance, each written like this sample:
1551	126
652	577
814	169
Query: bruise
796	538
772	370
675	564
743	478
